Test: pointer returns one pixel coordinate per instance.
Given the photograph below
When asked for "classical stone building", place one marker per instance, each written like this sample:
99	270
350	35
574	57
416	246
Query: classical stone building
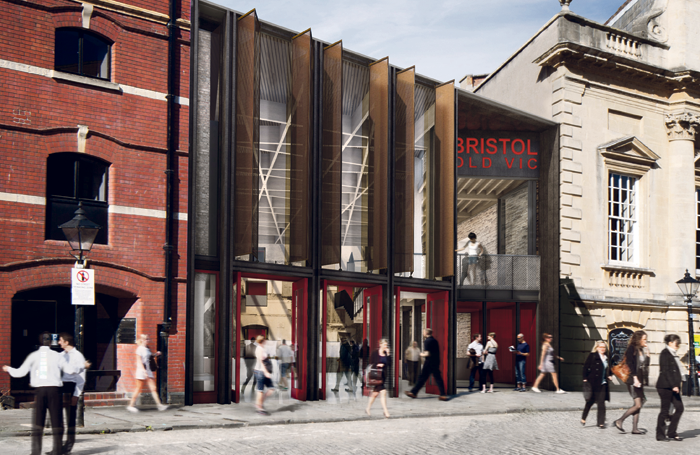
627	96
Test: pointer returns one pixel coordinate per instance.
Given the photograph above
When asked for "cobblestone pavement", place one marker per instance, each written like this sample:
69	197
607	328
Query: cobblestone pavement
524	433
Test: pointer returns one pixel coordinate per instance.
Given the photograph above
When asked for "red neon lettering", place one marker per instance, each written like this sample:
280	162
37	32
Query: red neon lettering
470	163
531	160
461	161
482	145
505	144
484	161
522	146
511	162
528	149
492	146
521	163
460	145
472	143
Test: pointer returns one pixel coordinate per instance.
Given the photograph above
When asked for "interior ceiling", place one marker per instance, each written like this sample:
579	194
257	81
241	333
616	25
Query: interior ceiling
476	195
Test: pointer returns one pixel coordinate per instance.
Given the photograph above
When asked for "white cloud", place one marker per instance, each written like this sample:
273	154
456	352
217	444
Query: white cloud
445	39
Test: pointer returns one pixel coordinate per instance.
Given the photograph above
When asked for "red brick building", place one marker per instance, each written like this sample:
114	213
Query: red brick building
86	117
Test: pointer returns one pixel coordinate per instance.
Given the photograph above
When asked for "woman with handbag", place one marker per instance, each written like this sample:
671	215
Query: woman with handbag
596	376
547	364
671	375
144	374
634	361
379	361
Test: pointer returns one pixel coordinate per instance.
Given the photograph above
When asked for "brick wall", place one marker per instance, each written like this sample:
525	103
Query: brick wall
40	114
485	226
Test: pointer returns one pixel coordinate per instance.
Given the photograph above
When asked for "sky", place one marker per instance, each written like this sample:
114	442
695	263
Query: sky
444	39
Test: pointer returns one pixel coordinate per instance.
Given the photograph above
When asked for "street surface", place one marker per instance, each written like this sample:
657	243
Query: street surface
525	433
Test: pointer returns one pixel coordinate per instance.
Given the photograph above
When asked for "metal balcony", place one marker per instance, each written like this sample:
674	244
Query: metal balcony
498	277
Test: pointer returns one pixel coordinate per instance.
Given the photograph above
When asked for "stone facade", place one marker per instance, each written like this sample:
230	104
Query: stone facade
617	93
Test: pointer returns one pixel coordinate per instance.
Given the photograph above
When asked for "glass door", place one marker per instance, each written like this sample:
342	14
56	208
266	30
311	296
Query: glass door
299	339
436	314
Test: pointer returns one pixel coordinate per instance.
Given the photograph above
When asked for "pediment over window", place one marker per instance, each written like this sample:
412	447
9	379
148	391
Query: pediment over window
630	151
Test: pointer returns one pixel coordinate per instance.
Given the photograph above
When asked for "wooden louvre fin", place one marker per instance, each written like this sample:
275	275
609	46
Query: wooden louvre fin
377	182
300	148
404	150
331	154
247	178
444	179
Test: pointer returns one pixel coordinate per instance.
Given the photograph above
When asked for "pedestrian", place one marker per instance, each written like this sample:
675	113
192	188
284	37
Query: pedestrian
284	354
263	375
473	251
521	351
596	377
344	366
379	360
635	360
44	367
490	362
144	374
547	364
671	375
475	351
72	385
431	366
412	358
354	362
249	361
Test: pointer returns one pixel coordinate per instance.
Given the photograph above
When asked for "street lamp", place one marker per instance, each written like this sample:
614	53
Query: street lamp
80	233
689	287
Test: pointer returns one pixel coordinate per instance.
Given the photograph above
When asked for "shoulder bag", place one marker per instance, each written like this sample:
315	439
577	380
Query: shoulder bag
622	370
374	376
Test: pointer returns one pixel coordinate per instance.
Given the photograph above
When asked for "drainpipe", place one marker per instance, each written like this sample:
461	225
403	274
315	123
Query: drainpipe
164	327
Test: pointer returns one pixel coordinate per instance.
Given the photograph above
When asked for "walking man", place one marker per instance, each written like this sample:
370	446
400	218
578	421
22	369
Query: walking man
72	385
44	367
477	361
431	353
521	351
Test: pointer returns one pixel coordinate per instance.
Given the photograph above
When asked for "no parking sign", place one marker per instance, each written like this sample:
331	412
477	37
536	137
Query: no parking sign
83	286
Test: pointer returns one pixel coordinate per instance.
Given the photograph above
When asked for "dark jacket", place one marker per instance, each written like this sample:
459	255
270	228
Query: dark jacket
669	375
636	367
431	346
594	372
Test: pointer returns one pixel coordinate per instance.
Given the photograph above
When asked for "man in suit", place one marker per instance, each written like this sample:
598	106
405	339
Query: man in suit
44	367
431	353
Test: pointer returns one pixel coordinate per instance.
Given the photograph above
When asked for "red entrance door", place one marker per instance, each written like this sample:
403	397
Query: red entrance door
299	299
372	319
436	319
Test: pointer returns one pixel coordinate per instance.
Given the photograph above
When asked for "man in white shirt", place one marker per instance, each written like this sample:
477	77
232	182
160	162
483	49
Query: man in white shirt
44	367
412	357
284	356
477	362
72	385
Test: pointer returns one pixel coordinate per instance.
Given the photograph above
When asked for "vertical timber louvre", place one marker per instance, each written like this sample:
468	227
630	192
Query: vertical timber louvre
405	180
300	148
247	136
331	149
444	179
378	159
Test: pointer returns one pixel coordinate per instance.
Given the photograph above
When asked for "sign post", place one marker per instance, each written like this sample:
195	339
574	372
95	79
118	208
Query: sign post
82	293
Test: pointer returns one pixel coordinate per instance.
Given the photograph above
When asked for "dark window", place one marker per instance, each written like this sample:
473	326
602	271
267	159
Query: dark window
81	52
73	178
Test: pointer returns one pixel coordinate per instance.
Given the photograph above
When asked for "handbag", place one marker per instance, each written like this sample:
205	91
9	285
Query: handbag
374	376
622	370
587	391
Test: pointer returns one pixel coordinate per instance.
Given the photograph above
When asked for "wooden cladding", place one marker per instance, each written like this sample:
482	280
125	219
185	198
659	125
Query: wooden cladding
445	182
331	151
300	148
247	178
378	160
404	190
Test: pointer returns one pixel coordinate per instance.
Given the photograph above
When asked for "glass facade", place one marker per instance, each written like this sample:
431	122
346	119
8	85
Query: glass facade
204	326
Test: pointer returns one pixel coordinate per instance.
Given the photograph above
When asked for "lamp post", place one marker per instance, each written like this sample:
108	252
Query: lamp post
80	233
689	287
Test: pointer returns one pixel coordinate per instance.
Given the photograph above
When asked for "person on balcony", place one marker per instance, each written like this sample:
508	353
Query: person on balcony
473	251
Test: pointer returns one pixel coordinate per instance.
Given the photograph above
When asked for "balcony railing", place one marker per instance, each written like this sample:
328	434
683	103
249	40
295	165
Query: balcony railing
506	276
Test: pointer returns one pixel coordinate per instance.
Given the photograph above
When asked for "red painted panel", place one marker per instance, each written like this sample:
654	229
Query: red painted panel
502	321
437	320
528	327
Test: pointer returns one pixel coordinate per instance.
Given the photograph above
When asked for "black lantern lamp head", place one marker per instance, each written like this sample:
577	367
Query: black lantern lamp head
688	286
80	233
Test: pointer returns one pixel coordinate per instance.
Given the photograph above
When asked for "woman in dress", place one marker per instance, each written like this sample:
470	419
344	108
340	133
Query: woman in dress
380	359
547	364
144	374
596	372
490	362
671	373
635	358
